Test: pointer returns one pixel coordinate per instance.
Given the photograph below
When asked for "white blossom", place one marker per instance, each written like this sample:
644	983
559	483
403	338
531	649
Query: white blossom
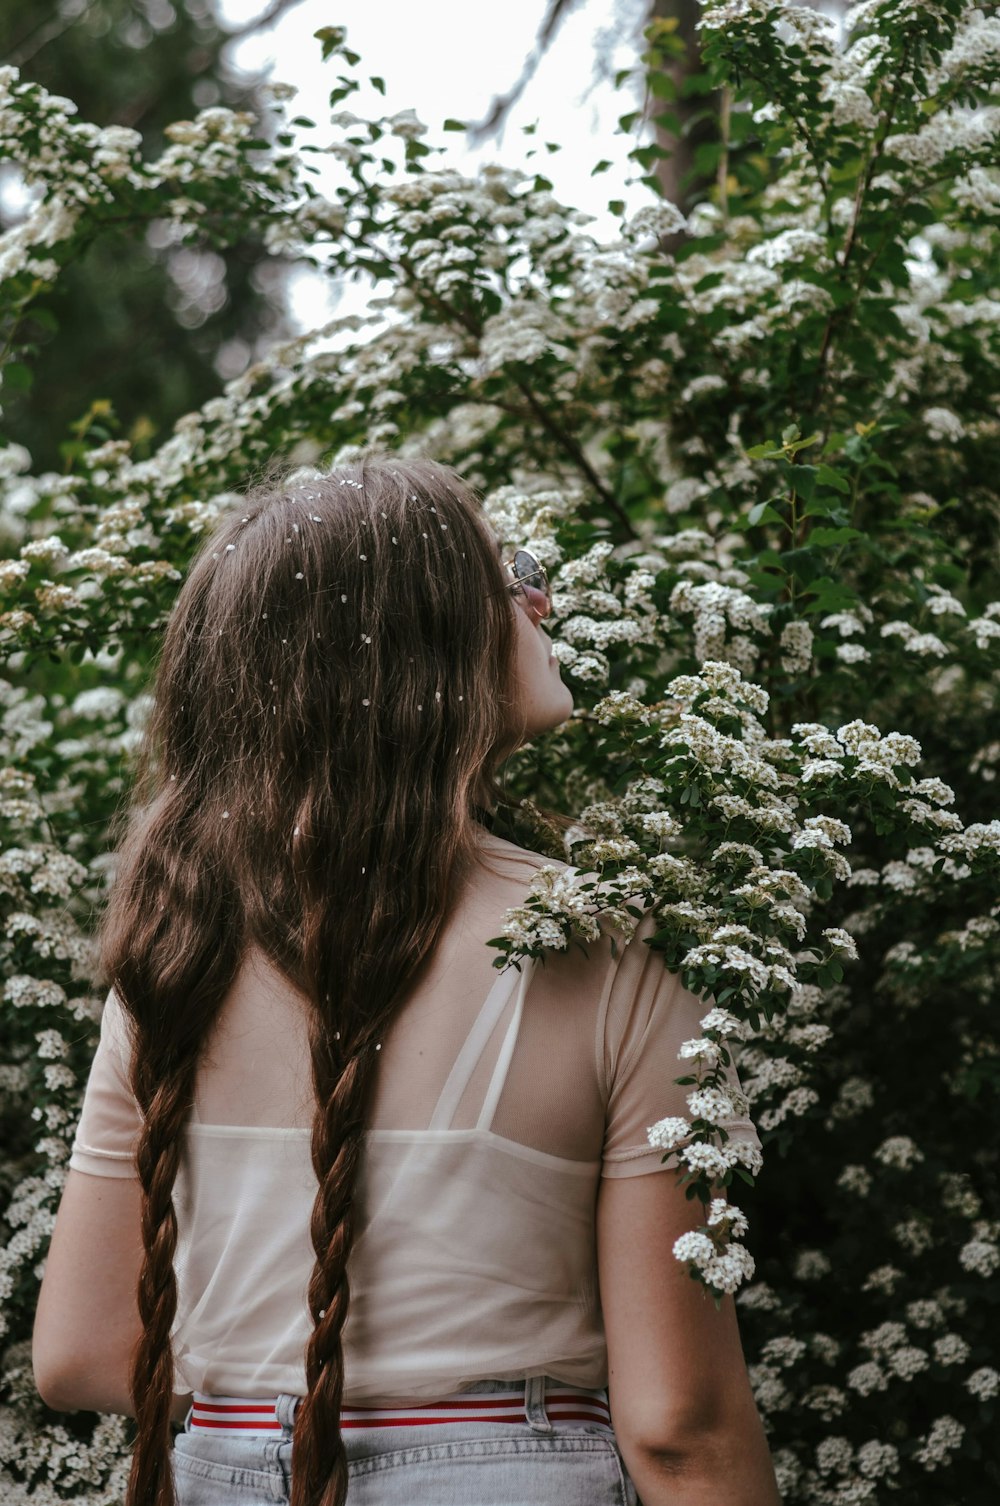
668	1133
944	1438
984	1383
980	1256
899	1151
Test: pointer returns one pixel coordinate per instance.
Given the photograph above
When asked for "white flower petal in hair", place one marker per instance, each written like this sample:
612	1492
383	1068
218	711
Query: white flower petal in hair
298	575
229	547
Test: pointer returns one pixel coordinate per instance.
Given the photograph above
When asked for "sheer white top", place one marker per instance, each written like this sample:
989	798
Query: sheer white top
501	1100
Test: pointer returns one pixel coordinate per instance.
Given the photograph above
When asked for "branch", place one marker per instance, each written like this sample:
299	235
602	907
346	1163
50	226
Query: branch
839	317
266	19
504	103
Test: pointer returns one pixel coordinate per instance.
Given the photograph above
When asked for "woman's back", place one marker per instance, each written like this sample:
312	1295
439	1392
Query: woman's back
501	1099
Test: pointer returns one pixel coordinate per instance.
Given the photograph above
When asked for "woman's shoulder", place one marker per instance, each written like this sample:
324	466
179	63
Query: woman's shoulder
518	858
622	922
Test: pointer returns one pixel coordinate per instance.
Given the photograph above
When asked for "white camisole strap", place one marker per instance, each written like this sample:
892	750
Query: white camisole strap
506	1051
475	1043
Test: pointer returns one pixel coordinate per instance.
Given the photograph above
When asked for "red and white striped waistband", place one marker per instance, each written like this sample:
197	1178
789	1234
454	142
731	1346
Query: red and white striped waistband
239	1417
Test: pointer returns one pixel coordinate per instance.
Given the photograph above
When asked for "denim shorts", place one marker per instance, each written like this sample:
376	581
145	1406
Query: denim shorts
531	1462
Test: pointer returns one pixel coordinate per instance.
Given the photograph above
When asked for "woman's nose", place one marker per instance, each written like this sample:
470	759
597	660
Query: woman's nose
537	600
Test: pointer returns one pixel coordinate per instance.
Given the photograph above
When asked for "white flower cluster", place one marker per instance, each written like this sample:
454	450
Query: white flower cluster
654	220
717	608
944	1438
797	244
899	1151
723	1272
981	1257
555	905
524	331
951	133
797	645
984	1383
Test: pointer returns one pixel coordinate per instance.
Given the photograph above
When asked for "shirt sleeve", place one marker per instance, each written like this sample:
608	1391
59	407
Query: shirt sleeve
111	1120
647	1015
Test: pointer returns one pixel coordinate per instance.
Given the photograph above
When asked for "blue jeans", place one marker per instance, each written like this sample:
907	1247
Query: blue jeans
533	1462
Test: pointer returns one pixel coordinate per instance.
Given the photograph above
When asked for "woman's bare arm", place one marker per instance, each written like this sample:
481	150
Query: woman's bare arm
87	1321
681	1402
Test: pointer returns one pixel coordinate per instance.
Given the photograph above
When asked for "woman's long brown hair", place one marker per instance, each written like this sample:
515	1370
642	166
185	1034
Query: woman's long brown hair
333	698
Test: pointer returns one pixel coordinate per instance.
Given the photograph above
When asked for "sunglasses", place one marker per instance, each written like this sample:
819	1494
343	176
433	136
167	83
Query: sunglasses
528	575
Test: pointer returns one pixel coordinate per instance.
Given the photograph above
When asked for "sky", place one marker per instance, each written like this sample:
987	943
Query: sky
450	58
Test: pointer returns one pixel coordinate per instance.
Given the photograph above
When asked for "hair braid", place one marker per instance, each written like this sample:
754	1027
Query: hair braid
152	1374
319	1475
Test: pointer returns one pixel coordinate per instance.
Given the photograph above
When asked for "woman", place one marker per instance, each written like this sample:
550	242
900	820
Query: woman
341	1192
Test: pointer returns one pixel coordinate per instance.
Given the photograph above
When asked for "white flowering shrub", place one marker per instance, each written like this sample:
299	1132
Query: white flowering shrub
761	469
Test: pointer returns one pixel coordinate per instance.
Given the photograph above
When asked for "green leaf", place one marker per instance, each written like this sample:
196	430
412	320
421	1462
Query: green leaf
332	39
834	535
662	86
454	125
378	83
764	451
803	478
600	167
763	512
829	477
45	319
17	376
824	507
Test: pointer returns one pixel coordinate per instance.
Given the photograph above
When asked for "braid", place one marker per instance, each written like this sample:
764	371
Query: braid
151	1380
319	1474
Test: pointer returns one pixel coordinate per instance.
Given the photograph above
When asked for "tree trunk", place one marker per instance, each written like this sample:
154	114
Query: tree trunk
676	173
